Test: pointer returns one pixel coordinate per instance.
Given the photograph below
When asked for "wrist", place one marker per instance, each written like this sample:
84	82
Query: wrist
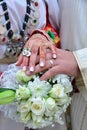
49	33
41	33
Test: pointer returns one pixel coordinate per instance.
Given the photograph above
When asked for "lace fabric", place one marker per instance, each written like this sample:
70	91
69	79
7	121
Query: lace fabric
8	80
8	77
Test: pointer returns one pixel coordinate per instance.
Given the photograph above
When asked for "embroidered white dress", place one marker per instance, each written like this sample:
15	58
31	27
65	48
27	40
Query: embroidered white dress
17	10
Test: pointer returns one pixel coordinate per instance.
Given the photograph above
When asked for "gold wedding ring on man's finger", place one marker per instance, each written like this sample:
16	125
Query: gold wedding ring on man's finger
26	52
52	62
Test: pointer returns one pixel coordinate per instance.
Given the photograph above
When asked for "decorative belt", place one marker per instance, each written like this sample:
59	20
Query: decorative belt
7	60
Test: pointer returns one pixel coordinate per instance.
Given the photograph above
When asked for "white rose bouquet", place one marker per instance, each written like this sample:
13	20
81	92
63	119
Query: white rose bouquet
32	102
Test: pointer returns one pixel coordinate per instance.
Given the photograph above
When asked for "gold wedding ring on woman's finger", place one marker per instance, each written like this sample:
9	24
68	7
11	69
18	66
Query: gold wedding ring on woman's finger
26	52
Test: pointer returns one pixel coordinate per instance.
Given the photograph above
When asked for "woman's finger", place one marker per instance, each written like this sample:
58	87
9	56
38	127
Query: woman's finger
38	69
26	56
25	63
53	48
48	57
33	57
42	55
20	60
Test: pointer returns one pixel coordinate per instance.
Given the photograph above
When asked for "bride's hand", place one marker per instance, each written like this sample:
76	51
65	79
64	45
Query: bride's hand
65	63
38	45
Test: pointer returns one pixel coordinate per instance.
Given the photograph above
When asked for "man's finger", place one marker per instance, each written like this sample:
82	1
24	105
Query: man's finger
50	73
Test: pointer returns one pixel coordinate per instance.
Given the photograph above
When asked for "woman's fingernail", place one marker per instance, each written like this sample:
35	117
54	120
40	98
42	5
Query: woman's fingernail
24	68
41	64
31	69
54	56
27	72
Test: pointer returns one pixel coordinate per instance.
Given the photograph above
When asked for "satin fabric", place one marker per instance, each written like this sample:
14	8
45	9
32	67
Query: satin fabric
73	32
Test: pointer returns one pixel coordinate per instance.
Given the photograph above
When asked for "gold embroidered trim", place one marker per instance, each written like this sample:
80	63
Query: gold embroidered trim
7	60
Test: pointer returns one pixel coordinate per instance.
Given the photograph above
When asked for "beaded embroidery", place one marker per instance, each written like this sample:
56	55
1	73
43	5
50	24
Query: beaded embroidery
15	41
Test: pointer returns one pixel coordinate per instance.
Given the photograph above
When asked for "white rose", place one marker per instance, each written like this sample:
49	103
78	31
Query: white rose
50	103
67	85
63	100
25	117
39	88
50	107
57	91
20	75
38	106
24	106
36	118
22	93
